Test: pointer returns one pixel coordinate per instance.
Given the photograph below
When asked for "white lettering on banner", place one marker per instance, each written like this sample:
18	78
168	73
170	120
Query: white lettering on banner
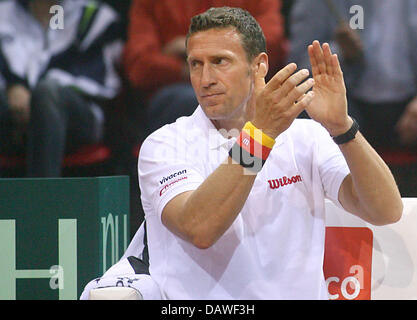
355	283
328	280
67	260
112	224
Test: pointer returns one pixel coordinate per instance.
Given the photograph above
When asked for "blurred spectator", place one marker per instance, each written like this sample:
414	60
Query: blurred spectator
122	8
154	56
286	11
379	60
58	75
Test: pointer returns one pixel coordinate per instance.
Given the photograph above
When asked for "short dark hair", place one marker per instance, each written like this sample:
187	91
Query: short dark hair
252	36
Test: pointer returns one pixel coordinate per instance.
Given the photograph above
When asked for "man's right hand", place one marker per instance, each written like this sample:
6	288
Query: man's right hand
281	100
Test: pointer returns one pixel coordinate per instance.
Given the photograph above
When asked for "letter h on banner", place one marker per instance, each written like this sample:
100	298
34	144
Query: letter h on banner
65	274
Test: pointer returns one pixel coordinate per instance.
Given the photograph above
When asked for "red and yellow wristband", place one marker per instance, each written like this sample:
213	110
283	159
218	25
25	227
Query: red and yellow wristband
255	141
252	148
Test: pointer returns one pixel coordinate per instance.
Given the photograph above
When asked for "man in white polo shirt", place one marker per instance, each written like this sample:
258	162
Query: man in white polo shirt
222	227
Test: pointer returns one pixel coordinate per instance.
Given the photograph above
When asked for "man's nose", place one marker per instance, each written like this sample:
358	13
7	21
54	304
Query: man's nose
207	77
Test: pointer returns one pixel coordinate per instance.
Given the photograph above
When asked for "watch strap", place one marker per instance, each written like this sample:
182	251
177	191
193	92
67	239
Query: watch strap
348	135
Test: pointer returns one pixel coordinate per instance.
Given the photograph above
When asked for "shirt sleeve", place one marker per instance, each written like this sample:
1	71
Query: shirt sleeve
332	165
164	171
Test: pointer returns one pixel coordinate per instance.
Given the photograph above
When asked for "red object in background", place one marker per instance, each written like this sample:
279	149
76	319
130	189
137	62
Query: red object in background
348	263
84	156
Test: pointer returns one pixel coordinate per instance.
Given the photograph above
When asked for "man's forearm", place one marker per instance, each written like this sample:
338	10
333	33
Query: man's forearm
211	209
370	191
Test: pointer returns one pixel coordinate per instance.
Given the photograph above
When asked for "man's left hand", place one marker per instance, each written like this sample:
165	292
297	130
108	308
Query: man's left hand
329	106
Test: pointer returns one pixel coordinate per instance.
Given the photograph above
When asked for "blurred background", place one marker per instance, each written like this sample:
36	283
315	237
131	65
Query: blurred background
78	99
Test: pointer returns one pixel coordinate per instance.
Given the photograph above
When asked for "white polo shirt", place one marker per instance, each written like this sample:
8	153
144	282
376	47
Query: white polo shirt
275	247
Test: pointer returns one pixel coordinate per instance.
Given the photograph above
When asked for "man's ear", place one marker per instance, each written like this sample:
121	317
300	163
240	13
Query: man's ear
261	65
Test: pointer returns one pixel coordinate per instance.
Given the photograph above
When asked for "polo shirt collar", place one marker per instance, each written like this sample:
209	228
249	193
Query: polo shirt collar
214	137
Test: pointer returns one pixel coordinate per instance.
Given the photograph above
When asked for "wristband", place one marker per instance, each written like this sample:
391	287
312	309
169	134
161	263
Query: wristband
245	159
258	135
348	135
252	148
248	143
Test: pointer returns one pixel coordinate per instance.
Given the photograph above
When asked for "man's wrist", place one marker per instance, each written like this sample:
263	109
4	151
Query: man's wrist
341	129
269	132
252	148
348	135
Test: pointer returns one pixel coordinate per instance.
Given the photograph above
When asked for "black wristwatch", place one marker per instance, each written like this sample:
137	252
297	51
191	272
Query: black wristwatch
348	135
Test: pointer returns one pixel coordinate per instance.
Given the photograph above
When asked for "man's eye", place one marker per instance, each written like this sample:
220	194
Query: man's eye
194	63
219	61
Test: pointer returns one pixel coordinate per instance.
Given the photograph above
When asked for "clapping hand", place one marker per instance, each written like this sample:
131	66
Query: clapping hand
329	105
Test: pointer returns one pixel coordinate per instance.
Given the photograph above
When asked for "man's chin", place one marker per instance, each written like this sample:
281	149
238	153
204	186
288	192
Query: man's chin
213	111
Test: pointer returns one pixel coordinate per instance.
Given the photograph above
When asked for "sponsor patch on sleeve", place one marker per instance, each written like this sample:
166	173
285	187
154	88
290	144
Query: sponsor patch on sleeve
171	180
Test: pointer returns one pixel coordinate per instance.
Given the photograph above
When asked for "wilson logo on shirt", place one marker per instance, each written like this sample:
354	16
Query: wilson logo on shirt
283	181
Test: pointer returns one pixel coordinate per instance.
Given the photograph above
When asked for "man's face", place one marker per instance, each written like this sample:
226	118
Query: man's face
220	73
